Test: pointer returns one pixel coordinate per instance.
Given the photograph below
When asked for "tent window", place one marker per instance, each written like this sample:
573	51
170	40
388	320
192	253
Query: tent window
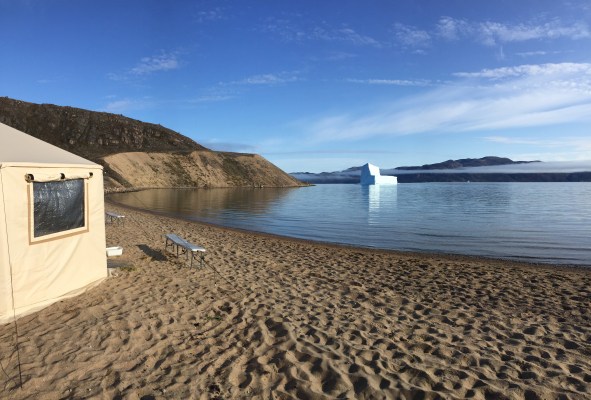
58	206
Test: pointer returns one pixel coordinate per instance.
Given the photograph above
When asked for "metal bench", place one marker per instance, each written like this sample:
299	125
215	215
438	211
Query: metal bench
181	246
114	217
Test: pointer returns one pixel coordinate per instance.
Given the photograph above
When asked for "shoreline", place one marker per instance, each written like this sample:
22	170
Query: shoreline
275	317
111	189
427	254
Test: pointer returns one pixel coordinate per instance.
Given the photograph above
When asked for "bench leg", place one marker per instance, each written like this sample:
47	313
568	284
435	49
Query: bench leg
201	258
168	243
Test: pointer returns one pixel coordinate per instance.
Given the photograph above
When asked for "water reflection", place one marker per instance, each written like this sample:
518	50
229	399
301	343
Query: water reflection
206	203
380	201
537	222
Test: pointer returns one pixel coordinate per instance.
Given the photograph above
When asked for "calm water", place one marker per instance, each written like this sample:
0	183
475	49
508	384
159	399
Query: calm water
538	222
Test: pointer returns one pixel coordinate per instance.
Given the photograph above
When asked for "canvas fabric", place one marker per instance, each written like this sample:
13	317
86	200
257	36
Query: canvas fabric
36	272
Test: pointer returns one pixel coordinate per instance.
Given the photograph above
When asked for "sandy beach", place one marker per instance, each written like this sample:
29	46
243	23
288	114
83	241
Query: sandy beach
273	318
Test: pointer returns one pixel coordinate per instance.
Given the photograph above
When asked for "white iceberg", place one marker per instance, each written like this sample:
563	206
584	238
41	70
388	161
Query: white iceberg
370	175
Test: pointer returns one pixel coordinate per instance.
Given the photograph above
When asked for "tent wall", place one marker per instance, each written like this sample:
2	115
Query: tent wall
5	291
47	270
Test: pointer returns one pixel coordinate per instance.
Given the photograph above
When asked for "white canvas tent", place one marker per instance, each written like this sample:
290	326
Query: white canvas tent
52	226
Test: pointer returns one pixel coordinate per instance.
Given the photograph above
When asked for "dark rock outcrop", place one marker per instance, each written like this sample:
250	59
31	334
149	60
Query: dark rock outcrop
90	134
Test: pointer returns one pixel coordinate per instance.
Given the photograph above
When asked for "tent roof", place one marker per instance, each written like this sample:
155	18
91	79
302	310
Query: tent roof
17	147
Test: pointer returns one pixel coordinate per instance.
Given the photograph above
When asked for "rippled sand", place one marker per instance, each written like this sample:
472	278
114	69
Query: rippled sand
277	318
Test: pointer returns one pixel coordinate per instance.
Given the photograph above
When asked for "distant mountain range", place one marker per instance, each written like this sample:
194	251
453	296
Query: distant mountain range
485	169
467	162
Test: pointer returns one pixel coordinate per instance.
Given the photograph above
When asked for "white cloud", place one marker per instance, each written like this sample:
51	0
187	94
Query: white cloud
392	82
550	69
161	62
452	29
316	164
579	144
219	145
123	105
212	98
494	33
216	14
532	53
267	79
344	35
410	36
224	91
516	140
529	96
289	31
120	106
489	33
147	66
340	56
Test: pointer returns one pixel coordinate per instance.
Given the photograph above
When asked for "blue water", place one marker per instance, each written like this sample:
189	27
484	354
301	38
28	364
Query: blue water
535	222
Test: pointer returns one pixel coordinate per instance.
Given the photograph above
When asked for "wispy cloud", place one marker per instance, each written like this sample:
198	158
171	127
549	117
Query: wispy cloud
125	105
229	90
212	98
164	61
524	141
392	82
161	62
290	31
215	14
532	70
532	53
220	145
529	96
268	79
581	144
493	33
340	56
347	35
488	33
329	152
409	36
118	105
452	29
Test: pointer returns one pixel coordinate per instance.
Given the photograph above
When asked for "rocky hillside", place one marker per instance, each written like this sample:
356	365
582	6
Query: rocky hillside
200	168
139	154
90	134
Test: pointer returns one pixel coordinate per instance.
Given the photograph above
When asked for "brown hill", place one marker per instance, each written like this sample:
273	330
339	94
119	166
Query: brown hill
139	154
200	168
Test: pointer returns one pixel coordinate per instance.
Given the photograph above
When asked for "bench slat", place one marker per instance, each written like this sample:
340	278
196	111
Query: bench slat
176	240
183	243
115	217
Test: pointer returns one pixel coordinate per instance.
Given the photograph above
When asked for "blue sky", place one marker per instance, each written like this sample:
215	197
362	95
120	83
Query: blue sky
319	85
